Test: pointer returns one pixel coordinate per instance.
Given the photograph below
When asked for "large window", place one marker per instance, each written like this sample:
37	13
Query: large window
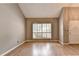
42	31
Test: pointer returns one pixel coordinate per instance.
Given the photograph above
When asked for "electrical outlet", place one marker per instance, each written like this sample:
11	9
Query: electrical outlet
17	41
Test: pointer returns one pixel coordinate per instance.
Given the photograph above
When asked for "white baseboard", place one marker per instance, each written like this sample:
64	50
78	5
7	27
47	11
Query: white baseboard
12	49
73	43
66	43
41	40
63	43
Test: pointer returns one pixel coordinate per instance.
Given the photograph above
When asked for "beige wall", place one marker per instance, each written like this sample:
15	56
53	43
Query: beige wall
70	16
61	28
29	22
11	26
73	26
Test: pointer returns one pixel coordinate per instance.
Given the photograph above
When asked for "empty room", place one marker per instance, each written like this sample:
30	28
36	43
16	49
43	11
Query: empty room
39	29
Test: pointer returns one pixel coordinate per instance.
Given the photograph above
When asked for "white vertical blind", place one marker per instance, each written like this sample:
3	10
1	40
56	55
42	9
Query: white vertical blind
42	31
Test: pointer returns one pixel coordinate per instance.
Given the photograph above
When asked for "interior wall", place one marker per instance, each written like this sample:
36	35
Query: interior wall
30	21
73	27
70	22
61	38
66	24
12	29
64	28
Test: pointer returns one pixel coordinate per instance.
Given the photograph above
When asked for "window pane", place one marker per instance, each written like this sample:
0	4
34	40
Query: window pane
44	35
42	31
34	35
48	27
35	27
48	35
44	27
39	35
39	28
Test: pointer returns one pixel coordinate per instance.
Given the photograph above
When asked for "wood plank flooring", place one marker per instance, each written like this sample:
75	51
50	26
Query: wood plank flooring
45	49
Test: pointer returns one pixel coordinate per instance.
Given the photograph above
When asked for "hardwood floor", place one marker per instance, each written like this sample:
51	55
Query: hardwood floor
45	49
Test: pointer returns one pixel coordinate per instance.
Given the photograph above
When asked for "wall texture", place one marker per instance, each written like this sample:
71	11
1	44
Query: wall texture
70	28
30	21
73	25
12	29
61	28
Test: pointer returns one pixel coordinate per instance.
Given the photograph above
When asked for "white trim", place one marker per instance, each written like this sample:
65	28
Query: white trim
42	40
66	43
60	42
63	43
12	49
73	43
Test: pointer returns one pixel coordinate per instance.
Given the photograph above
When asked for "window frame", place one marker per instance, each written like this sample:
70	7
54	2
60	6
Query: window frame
42	32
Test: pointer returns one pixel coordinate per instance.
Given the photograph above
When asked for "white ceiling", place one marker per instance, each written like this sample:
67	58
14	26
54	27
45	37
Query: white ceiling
42	10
